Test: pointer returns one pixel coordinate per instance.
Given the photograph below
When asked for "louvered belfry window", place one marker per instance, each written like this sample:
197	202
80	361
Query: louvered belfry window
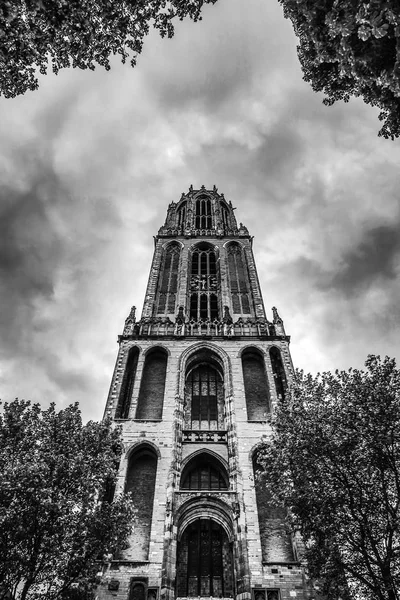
238	279
204	284
203	213
168	286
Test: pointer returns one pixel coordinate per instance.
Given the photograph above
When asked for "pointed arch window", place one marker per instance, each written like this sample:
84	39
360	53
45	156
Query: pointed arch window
168	285
204	284
152	387
204	561
279	372
204	399
238	279
224	215
182	216
203	213
140	484
204	473
256	387
128	381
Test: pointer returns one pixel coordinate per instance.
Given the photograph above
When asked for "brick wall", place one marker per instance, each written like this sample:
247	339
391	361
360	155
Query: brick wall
151	395
140	482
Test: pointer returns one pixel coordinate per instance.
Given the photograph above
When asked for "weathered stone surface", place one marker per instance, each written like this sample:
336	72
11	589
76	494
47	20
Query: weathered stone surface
157	556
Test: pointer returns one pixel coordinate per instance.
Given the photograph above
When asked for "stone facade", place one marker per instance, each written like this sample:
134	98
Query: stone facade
180	394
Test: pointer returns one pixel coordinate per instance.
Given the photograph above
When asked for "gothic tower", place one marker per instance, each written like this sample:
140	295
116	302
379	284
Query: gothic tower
195	382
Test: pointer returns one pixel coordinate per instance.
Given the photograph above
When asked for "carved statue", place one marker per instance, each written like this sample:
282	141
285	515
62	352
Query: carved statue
227	322
180	322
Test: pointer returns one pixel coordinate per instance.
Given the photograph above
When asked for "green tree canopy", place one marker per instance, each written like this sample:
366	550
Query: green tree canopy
351	48
334	460
78	33
56	517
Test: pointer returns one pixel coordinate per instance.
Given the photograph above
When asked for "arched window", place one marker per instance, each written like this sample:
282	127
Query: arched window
151	394
140	484
276	544
182	216
279	372
137	591
225	216
204	398
204	565
204	473
204	284
128	381
255	385
168	280
238	279
203	213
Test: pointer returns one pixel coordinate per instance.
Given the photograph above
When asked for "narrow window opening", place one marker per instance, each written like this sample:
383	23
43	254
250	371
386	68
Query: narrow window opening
238	279
279	372
168	281
128	381
182	216
203	217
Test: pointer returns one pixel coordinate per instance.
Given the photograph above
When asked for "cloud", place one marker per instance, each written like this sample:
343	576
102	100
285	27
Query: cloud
90	162
375	257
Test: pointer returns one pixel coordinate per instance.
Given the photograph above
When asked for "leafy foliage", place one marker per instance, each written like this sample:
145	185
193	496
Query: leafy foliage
52	525
351	48
78	33
335	461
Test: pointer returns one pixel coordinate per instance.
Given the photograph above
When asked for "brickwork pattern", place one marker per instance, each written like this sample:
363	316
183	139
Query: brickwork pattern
151	394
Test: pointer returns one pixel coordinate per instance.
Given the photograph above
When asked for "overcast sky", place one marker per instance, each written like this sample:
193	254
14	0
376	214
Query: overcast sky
90	162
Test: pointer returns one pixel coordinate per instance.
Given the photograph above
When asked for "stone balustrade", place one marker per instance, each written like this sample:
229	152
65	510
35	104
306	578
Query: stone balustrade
160	327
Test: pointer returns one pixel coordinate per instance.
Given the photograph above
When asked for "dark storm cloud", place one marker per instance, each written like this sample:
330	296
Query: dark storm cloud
376	256
30	250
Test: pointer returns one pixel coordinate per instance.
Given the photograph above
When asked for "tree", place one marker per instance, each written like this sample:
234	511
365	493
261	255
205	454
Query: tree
334	461
80	33
351	48
56	517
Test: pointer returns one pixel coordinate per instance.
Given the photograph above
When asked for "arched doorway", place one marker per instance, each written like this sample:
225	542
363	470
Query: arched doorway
204	561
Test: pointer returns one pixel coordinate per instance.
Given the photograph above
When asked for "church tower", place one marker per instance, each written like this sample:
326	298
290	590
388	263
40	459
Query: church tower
196	380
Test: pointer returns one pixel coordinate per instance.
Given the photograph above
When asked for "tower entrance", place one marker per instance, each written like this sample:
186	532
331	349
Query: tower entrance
204	561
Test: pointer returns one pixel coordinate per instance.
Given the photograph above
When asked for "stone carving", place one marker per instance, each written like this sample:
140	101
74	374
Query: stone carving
130	322
227	322
180	322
